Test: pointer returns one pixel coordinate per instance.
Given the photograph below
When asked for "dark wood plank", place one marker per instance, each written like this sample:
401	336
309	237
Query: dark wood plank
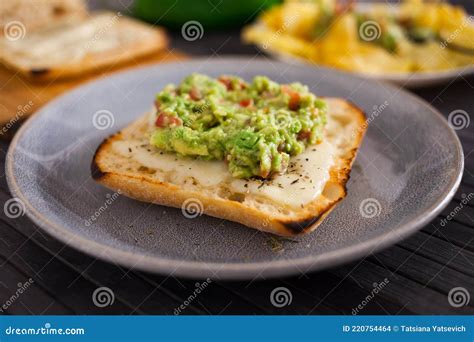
43	267
408	293
260	291
468	178
141	296
214	299
332	288
423	279
452	232
22	296
465	193
442	252
459	212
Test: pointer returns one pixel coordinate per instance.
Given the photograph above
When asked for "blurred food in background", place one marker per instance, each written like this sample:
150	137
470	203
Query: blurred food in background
414	36
35	14
68	41
209	13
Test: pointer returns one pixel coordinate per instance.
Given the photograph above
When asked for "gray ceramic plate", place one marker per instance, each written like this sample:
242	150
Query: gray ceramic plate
407	170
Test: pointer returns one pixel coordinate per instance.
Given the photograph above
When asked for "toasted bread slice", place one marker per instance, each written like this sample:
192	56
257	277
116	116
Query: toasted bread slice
117	169
80	46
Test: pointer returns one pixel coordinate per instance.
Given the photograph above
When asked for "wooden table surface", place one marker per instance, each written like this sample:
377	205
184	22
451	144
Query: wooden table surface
420	270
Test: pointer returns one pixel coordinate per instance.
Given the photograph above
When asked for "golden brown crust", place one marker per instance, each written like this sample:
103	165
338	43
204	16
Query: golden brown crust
98	60
148	189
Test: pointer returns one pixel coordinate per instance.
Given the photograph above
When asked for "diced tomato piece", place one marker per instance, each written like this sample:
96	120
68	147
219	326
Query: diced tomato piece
304	135
246	102
195	94
294	101
227	82
160	120
166	120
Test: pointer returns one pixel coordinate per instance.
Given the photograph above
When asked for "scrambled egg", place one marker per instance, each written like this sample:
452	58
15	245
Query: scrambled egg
415	36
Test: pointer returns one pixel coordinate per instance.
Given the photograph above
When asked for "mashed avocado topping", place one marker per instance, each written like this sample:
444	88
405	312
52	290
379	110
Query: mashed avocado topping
254	127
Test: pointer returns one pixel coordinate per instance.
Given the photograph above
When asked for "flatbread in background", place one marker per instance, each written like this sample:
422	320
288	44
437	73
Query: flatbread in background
16	92
20	16
80	45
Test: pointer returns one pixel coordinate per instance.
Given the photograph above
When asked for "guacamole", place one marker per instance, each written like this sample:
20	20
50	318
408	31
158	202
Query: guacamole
254	127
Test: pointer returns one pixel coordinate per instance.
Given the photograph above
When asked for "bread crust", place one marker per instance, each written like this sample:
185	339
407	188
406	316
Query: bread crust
148	189
156	40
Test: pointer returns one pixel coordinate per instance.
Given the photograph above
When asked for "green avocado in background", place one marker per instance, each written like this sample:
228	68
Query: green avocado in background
211	14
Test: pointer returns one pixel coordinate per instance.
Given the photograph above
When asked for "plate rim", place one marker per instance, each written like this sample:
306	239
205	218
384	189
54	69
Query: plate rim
227	270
